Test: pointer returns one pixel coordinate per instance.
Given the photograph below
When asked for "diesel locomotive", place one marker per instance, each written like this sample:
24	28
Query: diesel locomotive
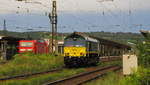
81	50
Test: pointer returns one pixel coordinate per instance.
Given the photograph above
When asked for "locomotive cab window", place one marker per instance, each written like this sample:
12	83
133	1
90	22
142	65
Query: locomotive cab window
26	44
75	42
92	46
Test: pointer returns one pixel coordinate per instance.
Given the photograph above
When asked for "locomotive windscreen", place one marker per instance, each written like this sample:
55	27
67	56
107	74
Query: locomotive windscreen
74	43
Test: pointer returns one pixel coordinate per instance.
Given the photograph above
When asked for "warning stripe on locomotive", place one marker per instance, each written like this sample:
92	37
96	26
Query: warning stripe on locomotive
74	51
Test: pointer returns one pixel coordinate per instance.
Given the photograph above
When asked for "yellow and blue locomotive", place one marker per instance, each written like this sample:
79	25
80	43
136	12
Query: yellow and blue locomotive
80	50
84	50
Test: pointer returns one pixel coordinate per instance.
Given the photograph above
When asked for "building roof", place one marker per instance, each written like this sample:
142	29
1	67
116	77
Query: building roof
10	39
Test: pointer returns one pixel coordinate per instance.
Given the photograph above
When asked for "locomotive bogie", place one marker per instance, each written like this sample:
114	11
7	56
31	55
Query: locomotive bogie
80	61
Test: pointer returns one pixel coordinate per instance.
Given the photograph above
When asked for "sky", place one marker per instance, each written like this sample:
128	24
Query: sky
77	15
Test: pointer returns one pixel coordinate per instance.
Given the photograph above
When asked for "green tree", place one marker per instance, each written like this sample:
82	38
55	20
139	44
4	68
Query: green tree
142	76
144	52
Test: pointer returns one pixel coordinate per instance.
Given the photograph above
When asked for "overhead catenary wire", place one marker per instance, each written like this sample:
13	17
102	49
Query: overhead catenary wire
77	18
105	14
126	23
88	24
92	24
18	12
116	16
122	14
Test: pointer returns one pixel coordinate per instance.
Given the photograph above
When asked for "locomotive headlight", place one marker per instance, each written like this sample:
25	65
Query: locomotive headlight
81	54
66	54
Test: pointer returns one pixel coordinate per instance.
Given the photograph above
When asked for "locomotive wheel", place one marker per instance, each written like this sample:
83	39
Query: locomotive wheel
74	62
82	61
95	61
66	60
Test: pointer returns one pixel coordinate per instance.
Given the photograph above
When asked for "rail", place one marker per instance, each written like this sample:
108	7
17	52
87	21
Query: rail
84	77
29	75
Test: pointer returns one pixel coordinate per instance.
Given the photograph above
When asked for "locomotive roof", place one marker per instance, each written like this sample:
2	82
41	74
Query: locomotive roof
101	40
86	37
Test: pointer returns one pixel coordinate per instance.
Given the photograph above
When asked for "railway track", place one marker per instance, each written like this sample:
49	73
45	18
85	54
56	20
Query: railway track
110	58
31	74
50	71
1	63
85	77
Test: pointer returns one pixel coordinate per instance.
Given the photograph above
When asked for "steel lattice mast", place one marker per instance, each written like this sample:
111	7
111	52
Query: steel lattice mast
53	20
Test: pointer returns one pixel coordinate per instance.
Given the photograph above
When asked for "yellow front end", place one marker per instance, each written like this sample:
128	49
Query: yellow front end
74	51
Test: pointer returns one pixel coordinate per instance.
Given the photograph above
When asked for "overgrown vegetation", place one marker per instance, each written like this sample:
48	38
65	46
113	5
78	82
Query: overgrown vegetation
102	64
29	63
109	79
39	80
142	76
144	52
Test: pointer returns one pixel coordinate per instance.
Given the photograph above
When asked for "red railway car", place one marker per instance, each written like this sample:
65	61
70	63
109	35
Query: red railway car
35	46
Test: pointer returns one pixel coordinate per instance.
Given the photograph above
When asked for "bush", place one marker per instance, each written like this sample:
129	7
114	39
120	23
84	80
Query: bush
109	79
142	77
144	52
39	80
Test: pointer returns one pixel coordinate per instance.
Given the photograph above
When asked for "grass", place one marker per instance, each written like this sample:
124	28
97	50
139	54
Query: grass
2	61
110	63
39	80
109	79
29	63
141	77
